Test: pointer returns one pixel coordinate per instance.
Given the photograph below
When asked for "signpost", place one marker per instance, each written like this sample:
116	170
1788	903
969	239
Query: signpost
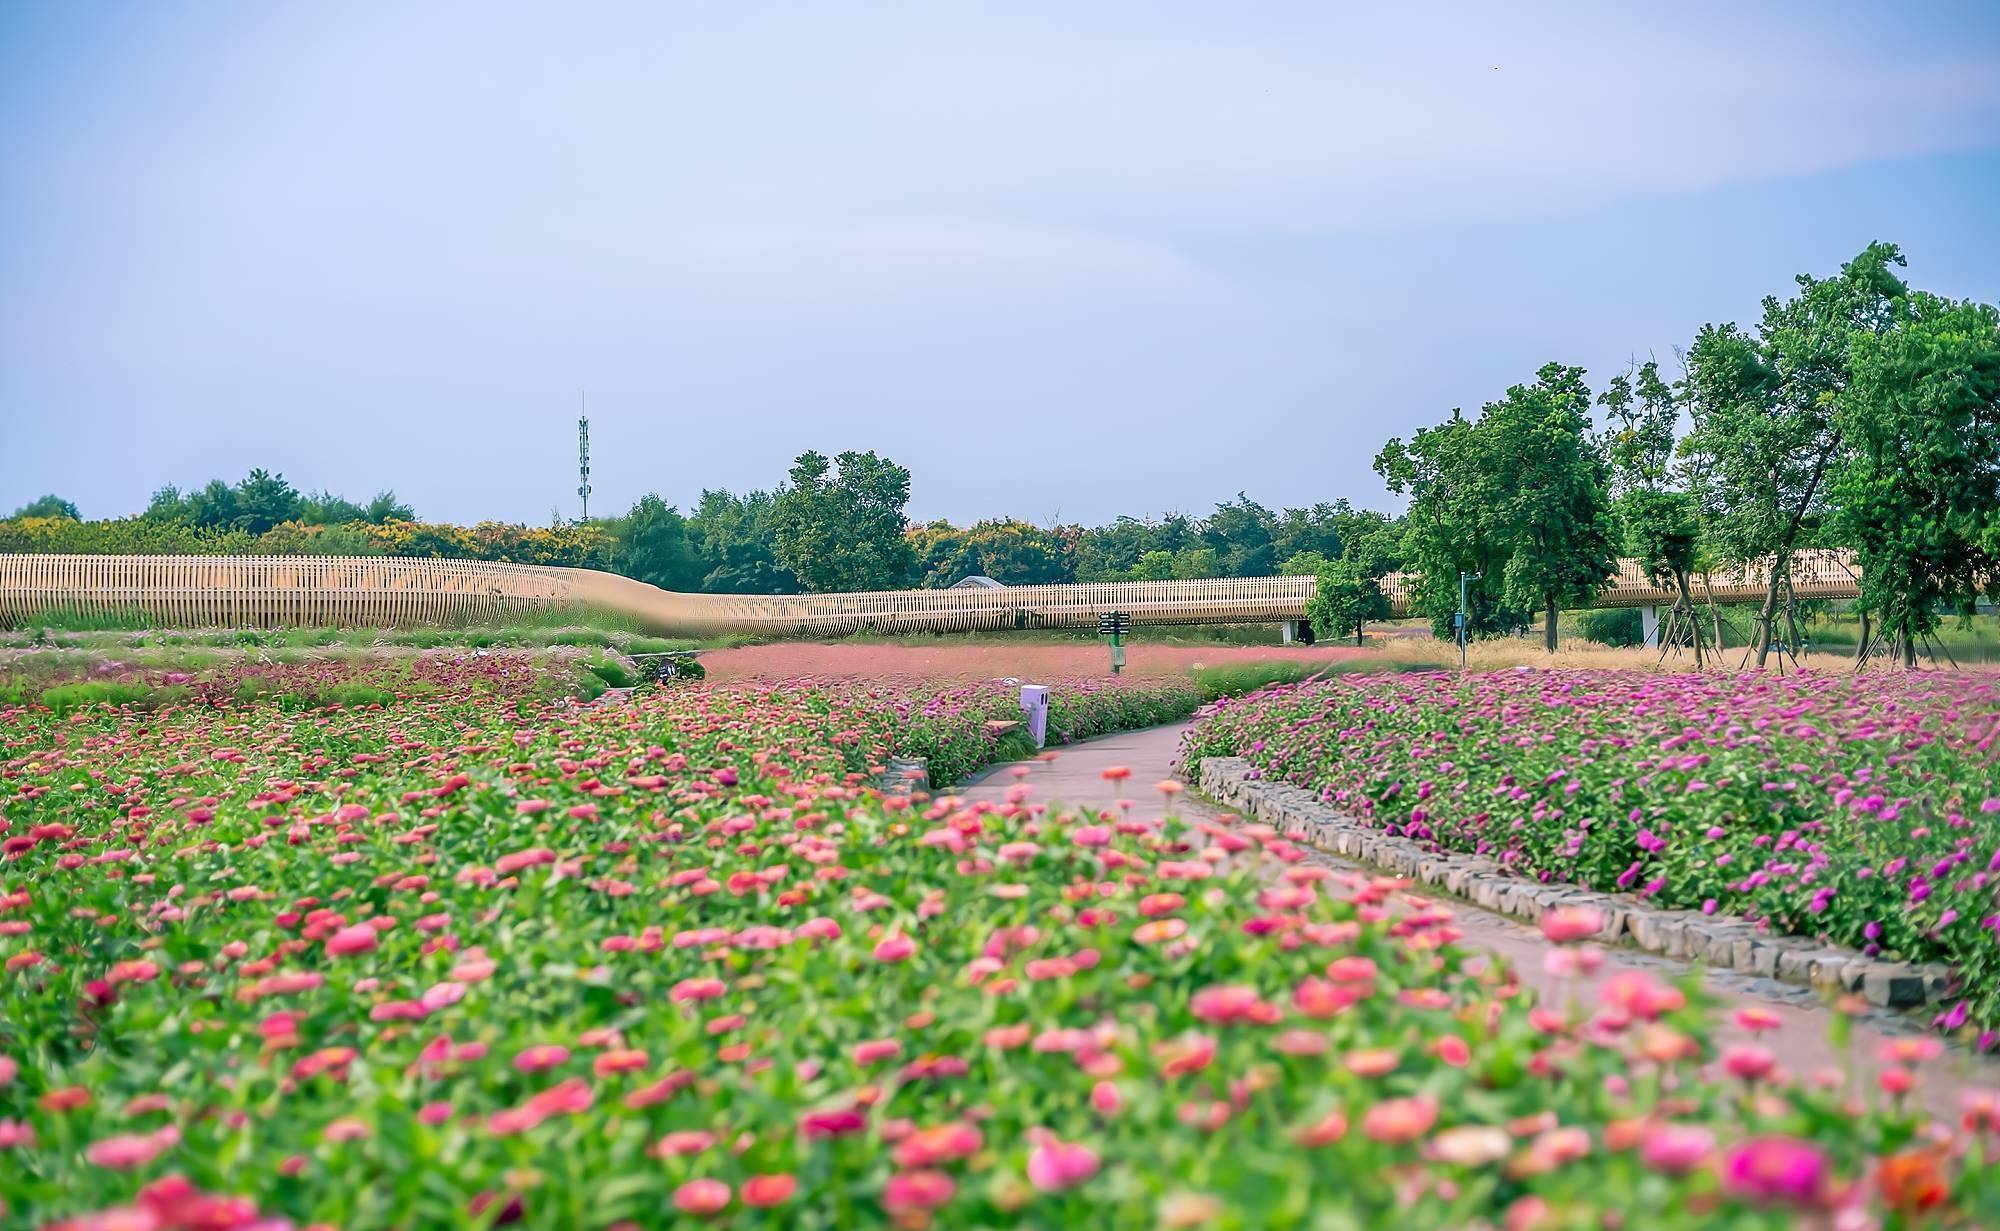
1460	619
1115	624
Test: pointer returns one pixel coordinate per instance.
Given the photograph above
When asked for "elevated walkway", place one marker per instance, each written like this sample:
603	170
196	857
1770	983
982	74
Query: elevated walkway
378	591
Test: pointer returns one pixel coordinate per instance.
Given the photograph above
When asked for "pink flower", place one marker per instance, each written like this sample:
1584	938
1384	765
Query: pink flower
1398	1120
1105	1099
1777	1171
872	1051
1749	1063
358	939
1640	994
702	1197
1222	1004
765	1191
1567	924
690	990
895	948
1054	1164
541	1056
912	1191
1676	1149
128	1152
836	1123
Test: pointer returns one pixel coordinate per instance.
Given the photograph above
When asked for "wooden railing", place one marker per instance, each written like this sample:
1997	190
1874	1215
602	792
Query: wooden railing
379	591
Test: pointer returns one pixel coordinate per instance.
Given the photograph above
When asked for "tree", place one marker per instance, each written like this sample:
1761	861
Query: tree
168	504
1554	512
1658	522
839	525
653	546
1451	527
213	507
1763	405
1347	594
1314	529
1153	566
385	507
737	547
1239	532
1014	552
49	506
1197	562
263	500
1113	552
1918	493
326	509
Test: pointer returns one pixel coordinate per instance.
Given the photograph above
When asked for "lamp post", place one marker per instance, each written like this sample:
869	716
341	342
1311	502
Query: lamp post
1460	619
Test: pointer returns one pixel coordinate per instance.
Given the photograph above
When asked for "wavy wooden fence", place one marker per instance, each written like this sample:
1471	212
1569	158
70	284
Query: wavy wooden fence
376	591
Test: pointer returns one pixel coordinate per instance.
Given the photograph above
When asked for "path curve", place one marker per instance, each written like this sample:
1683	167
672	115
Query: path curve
1075	777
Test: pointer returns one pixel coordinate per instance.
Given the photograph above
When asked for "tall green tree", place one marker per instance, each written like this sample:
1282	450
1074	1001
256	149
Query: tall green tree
1918	492
49	506
263	500
653	546
1014	552
734	538
1554	513
1656	513
1763	407
1240	534
1451	526
839	523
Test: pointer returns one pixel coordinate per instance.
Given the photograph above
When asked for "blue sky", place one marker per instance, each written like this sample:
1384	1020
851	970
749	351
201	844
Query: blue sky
1062	261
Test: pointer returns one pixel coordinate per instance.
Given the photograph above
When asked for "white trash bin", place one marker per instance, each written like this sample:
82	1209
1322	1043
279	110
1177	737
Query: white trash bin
1035	704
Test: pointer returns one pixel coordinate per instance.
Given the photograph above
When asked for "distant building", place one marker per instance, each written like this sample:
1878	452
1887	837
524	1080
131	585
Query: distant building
978	583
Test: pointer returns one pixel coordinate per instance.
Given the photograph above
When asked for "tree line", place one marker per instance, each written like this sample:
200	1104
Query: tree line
1856	413
834	523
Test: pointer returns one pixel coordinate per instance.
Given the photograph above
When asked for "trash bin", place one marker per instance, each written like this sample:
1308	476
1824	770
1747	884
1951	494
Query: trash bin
1035	704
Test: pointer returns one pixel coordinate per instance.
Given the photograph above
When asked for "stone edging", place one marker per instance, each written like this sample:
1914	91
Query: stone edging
1684	935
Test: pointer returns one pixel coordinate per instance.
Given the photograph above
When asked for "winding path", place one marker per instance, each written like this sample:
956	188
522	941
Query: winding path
1801	1042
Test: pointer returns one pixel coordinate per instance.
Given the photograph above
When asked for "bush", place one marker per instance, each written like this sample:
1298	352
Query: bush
1618	627
1238	679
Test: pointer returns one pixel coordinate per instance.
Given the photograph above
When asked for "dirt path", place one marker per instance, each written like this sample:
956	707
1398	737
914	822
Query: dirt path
1801	1041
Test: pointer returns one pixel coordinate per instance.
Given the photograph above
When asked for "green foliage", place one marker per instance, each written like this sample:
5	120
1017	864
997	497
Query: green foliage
1618	627
734	537
1918	494
1518	495
1347	594
1448	529
654	547
1009	551
49	506
1241	679
838	524
615	672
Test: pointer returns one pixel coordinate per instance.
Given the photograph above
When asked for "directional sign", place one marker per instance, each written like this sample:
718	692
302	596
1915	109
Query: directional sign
1113	623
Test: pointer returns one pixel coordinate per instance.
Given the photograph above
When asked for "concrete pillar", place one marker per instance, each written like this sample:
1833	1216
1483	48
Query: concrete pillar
1649	625
1285	631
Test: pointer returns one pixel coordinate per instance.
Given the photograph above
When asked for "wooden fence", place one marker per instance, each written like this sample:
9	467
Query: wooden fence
378	591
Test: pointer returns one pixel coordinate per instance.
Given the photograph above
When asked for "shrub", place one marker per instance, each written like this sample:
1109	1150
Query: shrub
1618	627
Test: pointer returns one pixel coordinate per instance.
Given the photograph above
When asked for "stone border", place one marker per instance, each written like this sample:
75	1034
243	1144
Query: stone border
1683	935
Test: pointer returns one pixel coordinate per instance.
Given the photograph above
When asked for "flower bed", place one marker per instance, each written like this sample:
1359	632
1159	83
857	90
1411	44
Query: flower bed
462	962
1864	810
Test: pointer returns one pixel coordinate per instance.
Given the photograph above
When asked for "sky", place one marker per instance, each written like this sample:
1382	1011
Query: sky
1061	261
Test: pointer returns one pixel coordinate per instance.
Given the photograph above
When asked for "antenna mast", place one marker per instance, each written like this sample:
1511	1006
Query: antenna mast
583	457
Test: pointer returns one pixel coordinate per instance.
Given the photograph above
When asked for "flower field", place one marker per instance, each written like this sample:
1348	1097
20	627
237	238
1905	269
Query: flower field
1865	810
474	958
